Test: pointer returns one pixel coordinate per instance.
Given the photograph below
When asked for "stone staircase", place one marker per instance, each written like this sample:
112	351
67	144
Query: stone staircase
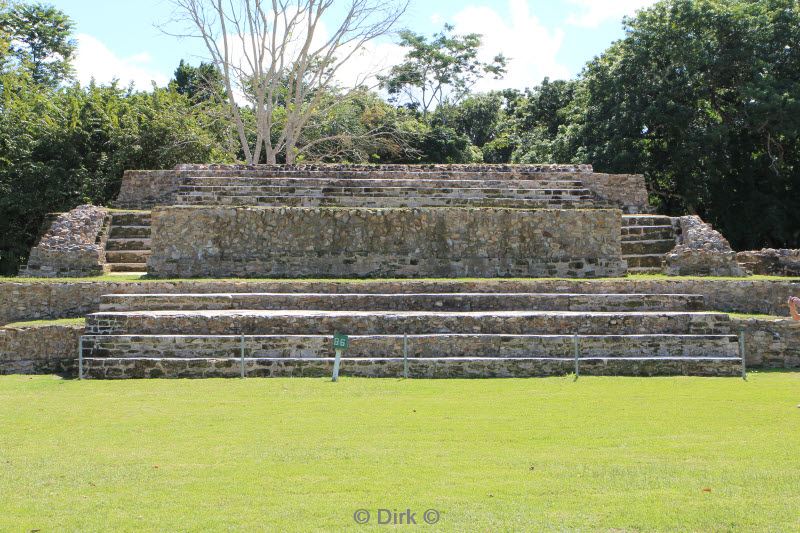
446	335
128	244
645	240
419	190
457	301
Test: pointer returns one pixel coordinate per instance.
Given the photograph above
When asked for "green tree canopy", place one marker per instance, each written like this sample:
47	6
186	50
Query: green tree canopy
441	70
705	96
39	41
200	83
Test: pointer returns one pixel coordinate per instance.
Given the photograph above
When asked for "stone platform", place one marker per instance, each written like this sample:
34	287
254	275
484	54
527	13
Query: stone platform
384	186
375	243
472	222
443	335
645	241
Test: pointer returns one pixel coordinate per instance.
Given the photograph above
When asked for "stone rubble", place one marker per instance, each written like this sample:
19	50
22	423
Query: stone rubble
72	246
771	261
702	251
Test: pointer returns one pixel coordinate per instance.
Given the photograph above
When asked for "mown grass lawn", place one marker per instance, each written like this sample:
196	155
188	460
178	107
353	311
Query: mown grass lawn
613	454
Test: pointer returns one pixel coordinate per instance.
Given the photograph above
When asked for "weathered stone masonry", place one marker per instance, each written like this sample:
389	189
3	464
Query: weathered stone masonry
22	301
47	349
143	189
73	246
39	349
428	242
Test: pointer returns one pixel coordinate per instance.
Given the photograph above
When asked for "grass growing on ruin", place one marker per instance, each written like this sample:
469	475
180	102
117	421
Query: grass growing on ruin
746	316
621	454
42	323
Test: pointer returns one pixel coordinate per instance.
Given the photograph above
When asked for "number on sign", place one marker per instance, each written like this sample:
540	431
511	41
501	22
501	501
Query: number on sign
341	341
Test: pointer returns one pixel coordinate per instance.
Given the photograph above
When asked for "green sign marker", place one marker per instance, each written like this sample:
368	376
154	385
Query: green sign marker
341	342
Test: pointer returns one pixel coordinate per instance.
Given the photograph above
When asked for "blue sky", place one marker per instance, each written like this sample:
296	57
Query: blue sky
120	38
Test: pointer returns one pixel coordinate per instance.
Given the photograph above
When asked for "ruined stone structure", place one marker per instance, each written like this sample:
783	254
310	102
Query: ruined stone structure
701	251
384	243
387	185
73	245
771	262
435	221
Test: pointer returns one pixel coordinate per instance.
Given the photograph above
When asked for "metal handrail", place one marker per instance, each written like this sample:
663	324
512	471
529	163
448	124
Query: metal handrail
575	342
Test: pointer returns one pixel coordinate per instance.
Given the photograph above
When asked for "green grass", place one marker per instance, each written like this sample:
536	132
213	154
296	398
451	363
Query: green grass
145	277
746	316
39	323
599	454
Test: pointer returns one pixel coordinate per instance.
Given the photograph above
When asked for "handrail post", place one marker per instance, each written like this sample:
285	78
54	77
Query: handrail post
80	357
336	363
405	355
742	354
576	349
241	354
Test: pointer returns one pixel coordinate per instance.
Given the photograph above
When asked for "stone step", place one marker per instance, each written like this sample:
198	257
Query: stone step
645	270
294	322
382	201
646	220
634	233
129	232
646	247
200	183
127	256
386	173
109	368
130	218
646	261
282	192
325	190
128	244
403	302
128	267
418	346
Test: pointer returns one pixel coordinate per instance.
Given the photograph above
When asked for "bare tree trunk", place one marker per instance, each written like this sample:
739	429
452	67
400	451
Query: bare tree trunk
263	46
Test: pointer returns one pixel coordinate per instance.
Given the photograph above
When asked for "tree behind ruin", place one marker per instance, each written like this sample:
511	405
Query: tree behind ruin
278	58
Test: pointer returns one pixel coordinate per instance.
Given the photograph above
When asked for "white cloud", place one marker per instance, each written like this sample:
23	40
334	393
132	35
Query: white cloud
375	58
95	60
530	46
593	13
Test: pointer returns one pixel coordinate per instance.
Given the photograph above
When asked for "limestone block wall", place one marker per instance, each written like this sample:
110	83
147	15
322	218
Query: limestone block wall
143	189
53	348
627	191
769	261
37	300
771	343
39	349
354	242
73	245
